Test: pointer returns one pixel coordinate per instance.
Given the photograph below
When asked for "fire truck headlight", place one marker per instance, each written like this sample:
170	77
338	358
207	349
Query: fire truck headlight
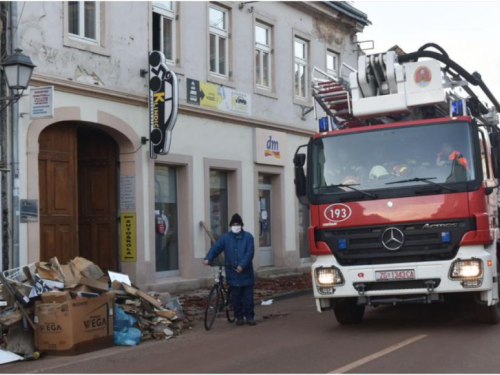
466	269
329	276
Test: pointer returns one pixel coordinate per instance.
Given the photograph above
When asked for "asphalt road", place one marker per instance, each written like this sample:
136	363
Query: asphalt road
296	339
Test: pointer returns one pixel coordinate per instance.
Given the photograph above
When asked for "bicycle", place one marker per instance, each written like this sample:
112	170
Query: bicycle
219	300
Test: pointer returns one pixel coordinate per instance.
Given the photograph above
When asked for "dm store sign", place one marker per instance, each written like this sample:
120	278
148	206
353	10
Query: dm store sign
270	147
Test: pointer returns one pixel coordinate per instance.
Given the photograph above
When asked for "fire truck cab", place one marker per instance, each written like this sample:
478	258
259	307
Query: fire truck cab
402	186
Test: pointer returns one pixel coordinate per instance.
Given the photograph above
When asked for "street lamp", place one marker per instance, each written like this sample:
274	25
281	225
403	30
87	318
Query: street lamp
18	69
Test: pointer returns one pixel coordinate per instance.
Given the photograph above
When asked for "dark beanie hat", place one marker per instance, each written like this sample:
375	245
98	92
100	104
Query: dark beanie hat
236	219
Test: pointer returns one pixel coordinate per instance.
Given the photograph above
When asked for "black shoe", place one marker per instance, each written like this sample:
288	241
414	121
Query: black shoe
251	322
240	322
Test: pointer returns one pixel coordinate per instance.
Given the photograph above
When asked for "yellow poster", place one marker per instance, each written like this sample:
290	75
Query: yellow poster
128	234
209	95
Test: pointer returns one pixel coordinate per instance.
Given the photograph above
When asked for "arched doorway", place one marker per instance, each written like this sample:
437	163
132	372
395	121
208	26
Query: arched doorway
78	169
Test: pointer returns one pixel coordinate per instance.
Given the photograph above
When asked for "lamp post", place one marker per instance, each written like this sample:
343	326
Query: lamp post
17	69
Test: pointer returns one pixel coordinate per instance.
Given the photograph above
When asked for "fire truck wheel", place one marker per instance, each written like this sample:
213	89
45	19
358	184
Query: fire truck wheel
488	314
348	312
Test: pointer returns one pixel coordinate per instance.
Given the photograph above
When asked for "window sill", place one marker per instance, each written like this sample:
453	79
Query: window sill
302	102
263	92
221	81
85	46
177	69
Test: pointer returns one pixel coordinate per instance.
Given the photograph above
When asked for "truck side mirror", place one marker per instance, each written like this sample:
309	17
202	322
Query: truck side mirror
300	178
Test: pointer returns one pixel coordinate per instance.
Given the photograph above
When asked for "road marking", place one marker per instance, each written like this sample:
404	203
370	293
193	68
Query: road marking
390	349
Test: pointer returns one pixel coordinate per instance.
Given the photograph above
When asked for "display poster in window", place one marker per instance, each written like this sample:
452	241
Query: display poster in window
163	104
41	102
128	237
212	96
29	210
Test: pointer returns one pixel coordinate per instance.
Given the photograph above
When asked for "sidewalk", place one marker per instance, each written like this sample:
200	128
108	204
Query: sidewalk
265	288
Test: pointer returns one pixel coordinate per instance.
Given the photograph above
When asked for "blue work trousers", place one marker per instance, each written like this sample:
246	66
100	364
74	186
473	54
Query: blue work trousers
242	297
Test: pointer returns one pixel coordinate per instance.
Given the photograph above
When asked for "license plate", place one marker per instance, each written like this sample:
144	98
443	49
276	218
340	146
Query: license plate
395	275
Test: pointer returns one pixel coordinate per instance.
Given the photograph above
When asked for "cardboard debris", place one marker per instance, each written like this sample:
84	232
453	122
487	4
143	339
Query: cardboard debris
56	297
87	268
71	308
120	277
10	317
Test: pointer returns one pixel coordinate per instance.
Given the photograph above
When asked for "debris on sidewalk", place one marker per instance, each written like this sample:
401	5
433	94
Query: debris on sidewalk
268	302
75	308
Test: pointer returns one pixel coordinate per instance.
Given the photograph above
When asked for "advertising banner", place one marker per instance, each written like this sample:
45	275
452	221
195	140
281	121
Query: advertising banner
163	104
212	96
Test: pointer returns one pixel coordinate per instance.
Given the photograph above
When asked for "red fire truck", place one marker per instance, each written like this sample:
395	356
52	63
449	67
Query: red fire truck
402	183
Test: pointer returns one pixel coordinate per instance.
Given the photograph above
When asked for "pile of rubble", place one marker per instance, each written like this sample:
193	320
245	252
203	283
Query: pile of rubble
75	308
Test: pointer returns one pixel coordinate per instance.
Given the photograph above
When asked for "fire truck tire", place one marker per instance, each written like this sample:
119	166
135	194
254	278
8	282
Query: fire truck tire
488	314
348	312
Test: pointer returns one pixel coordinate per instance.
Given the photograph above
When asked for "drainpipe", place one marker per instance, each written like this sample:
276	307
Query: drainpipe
14	260
4	156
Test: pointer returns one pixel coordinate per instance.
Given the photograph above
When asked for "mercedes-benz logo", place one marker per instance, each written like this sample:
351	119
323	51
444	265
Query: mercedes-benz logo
393	239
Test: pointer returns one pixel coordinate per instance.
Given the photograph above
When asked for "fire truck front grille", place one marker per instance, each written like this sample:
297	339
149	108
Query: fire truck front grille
423	242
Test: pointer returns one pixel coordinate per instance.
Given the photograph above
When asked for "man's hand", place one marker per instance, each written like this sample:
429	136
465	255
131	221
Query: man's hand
239	269
206	262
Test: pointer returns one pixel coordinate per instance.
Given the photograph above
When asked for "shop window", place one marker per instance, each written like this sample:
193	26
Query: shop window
164	29
166	219
83	21
219	223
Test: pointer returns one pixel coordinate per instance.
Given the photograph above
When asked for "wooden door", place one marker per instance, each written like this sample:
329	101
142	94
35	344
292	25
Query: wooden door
97	206
58	194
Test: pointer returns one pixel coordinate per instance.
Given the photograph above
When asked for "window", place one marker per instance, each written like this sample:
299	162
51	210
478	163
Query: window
301	56
332	63
166	219
218	203
83	20
164	29
219	35
263	56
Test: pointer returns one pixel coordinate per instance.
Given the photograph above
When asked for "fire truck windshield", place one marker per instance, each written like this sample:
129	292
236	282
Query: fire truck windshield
393	158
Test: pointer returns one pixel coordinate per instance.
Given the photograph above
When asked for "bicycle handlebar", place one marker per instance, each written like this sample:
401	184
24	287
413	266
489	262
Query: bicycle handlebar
222	265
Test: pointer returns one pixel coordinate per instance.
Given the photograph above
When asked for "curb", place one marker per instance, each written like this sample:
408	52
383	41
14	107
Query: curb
284	296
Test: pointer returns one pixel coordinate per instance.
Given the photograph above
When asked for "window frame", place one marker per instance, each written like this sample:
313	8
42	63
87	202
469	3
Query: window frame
172	15
303	62
81	23
335	73
262	48
219	33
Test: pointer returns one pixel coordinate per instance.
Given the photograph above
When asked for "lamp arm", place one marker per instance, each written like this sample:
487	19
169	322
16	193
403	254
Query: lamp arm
11	99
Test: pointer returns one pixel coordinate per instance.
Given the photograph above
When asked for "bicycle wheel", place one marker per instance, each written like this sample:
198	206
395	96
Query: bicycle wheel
229	307
212	307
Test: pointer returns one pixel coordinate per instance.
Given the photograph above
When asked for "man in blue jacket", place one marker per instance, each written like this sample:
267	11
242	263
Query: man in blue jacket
238	247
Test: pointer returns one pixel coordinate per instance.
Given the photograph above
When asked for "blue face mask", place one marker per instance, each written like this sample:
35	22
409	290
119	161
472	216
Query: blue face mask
236	229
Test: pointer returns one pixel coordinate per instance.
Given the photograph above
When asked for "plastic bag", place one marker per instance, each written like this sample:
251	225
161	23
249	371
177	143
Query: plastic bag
123	320
127	337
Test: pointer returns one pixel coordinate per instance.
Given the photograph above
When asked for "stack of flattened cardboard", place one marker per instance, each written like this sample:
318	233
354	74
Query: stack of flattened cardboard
158	318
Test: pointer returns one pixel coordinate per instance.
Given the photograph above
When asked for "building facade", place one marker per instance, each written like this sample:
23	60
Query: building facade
244	75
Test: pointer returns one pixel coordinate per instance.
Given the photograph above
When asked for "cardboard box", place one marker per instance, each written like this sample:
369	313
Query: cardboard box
56	297
78	326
